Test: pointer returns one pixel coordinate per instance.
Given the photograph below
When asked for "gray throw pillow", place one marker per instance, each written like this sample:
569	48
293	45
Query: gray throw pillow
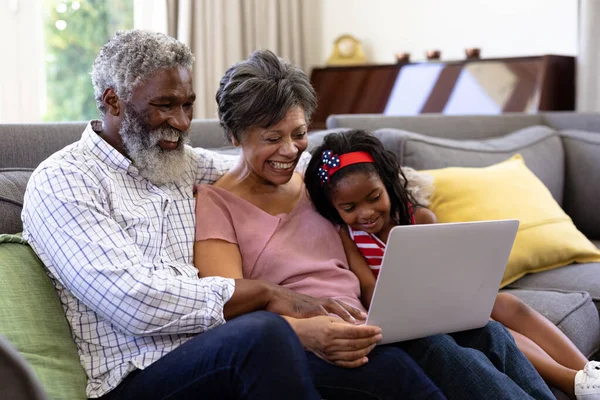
540	146
13	182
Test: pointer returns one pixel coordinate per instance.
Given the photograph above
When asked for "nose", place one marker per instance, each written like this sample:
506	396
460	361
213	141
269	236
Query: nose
180	119
365	214
288	149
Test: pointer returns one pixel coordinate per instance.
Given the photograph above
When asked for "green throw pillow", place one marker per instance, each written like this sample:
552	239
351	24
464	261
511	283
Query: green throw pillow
32	319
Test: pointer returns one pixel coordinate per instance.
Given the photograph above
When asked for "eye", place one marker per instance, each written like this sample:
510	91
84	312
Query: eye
272	140
188	105
165	106
300	135
348	209
375	198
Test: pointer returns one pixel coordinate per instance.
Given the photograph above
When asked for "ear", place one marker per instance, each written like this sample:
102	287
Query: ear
111	102
234	141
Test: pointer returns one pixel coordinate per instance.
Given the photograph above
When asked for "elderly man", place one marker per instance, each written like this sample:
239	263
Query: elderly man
112	218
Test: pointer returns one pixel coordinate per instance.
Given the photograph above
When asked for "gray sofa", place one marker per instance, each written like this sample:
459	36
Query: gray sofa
562	149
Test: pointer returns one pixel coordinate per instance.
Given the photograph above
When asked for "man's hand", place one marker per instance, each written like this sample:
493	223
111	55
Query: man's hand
286	302
337	342
252	295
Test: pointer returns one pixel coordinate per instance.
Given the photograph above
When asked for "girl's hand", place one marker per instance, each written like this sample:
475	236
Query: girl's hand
335	341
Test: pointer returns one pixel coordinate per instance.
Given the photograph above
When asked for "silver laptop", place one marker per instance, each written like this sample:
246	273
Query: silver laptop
440	278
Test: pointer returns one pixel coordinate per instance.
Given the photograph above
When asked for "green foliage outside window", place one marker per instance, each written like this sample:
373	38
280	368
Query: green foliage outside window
74	32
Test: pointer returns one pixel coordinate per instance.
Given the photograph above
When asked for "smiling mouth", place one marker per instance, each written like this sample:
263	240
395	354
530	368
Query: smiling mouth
281	165
168	144
370	223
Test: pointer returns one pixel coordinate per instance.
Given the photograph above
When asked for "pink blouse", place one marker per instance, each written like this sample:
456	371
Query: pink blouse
301	251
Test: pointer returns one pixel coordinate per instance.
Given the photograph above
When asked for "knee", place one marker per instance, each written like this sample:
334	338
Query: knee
496	333
508	306
263	327
436	347
266	324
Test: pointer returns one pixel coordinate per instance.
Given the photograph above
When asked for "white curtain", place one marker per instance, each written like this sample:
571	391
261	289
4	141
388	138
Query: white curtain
22	74
150	15
588	57
222	32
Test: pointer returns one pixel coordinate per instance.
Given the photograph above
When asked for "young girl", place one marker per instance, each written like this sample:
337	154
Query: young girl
357	184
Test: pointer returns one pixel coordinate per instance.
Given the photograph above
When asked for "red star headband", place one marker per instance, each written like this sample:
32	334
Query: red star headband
333	163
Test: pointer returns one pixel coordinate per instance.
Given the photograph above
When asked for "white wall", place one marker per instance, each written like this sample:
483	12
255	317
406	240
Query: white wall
501	28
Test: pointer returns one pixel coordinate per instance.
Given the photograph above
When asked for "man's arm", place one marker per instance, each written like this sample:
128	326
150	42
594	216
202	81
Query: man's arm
68	224
213	165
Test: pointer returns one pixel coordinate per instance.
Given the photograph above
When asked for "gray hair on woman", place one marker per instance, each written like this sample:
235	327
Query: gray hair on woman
259	91
130	57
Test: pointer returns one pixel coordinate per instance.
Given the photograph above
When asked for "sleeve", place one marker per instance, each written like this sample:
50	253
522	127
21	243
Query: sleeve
212	165
303	163
213	219
68	223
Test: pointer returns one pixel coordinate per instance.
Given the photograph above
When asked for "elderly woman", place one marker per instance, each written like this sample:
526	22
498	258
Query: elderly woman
257	223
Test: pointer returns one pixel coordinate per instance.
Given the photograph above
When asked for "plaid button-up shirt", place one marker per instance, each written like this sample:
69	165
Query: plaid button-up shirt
119	251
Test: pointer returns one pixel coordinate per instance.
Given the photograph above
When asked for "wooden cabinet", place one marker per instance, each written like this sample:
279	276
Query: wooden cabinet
479	86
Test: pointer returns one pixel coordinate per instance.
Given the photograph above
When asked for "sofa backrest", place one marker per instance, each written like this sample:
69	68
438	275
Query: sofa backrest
570	169
467	126
27	145
442	126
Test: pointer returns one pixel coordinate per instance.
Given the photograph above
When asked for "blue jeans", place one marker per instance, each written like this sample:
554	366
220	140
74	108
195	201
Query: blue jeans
258	356
389	374
478	364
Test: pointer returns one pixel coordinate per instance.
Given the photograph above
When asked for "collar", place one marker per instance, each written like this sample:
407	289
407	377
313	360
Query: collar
102	150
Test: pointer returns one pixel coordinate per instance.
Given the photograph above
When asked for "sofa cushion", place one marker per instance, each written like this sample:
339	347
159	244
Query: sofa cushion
582	179
33	320
546	238
574	278
13	182
540	146
573	313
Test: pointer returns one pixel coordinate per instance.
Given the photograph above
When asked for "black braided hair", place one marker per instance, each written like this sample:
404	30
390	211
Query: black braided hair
386	166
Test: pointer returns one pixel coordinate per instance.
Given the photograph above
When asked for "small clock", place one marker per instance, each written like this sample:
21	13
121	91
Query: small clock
347	50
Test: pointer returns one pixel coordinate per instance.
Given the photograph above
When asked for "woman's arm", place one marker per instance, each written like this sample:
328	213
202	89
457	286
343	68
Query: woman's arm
215	257
359	266
329	338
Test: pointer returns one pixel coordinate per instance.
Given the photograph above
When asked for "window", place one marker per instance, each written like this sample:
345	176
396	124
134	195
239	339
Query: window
73	33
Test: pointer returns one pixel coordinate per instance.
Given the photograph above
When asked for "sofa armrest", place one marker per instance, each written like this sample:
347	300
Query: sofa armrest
582	180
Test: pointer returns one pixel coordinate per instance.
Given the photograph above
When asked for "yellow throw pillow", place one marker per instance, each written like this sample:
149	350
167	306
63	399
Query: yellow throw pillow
547	237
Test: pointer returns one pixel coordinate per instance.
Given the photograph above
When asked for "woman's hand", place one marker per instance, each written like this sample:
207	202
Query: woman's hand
335	341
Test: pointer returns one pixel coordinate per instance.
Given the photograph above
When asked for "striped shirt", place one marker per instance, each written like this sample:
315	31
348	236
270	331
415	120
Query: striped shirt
119	252
371	247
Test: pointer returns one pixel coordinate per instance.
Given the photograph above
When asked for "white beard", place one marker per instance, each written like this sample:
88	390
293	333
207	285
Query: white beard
155	164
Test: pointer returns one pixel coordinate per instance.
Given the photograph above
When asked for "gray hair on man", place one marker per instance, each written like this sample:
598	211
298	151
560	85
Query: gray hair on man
259	91
130	57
